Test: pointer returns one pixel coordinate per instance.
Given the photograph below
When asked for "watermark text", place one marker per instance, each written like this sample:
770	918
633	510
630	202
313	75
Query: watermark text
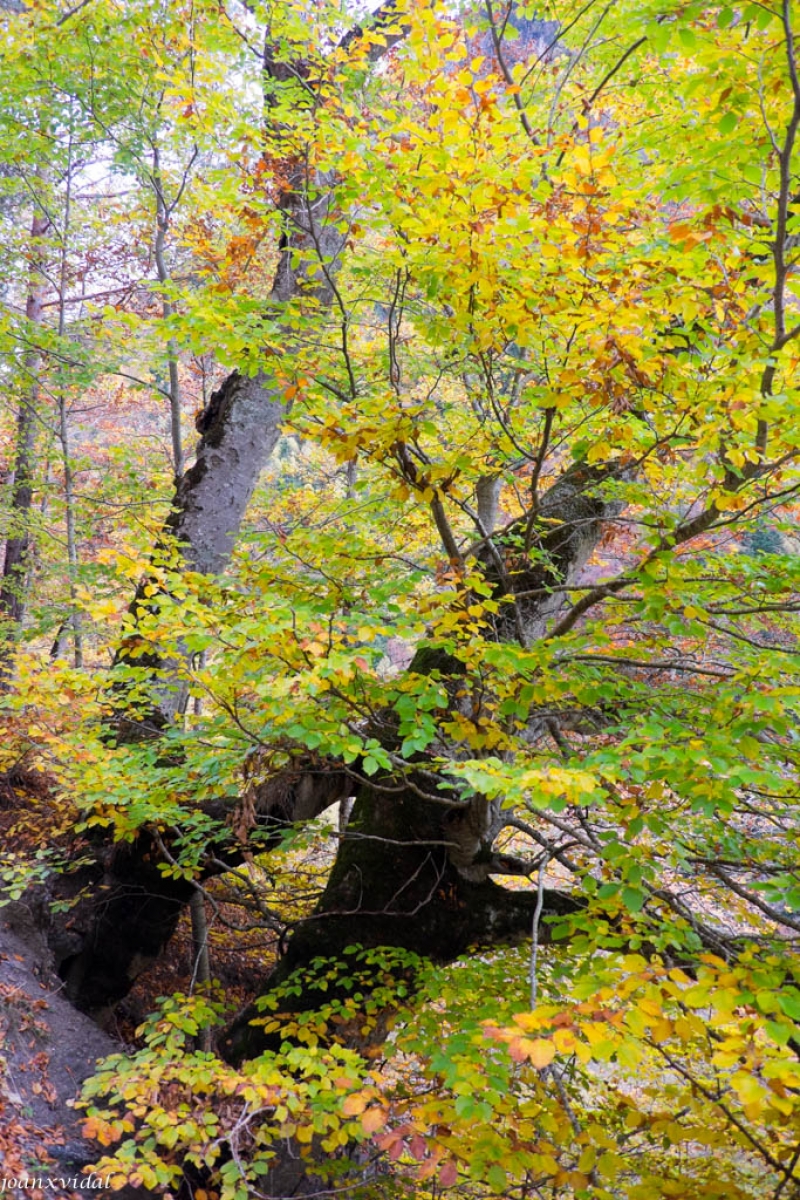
53	1183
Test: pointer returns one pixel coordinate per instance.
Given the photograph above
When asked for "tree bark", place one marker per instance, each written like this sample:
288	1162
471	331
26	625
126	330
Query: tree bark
132	915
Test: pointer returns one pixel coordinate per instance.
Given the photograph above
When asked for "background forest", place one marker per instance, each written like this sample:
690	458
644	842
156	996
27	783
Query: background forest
399	487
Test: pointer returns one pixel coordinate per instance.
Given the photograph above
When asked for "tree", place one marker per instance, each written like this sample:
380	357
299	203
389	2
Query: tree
546	307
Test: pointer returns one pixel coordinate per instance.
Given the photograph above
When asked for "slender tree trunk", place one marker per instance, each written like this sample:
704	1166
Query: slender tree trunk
201	960
64	432
201	963
13	589
72	542
164	212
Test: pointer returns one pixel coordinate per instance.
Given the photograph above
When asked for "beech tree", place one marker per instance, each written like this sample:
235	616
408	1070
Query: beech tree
531	316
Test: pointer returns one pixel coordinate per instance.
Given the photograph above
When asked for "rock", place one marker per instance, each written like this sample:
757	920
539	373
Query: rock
47	1049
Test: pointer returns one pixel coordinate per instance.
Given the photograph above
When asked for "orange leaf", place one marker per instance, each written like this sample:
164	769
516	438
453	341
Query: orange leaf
417	1147
516	1048
374	1119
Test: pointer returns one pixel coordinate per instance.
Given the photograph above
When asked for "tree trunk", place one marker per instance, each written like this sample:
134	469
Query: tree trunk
13	590
397	882
164	212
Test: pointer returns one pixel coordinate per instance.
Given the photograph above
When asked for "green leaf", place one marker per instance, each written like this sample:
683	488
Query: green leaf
633	898
497	1180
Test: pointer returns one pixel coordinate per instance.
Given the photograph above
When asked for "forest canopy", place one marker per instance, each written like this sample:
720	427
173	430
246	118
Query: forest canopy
399	459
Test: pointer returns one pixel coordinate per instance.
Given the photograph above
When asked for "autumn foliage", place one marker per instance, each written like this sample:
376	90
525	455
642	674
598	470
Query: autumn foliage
518	285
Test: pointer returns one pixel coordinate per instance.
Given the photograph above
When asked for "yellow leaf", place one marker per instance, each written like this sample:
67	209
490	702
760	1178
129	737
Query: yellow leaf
586	1160
748	1089
540	1052
564	1041
581	160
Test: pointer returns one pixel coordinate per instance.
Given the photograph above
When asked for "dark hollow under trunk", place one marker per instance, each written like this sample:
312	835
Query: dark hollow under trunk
130	908
132	916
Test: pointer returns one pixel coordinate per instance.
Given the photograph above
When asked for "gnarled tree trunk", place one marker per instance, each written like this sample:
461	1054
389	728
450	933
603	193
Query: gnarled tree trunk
401	879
